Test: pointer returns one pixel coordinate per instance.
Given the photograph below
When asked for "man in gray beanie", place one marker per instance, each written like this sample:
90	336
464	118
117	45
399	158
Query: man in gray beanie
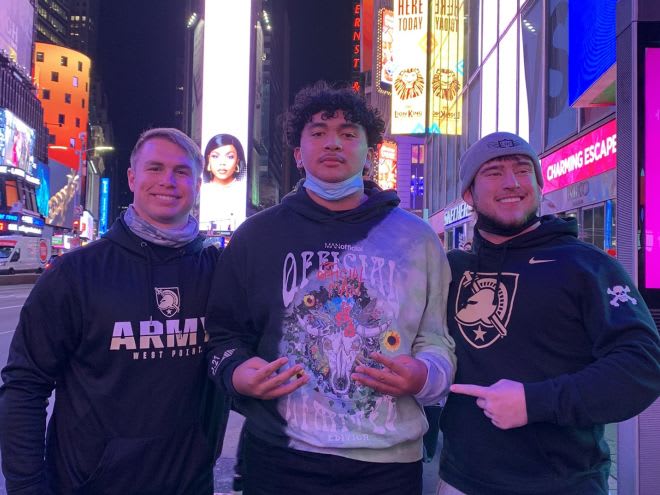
553	340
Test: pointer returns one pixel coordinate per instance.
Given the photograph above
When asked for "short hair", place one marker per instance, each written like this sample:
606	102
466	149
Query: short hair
323	97
224	140
174	136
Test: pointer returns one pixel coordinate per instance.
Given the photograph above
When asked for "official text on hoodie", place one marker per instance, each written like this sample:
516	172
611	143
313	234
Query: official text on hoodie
326	289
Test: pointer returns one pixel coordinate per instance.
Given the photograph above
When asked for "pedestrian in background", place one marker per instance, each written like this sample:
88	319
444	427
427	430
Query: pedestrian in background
553	341
327	318
116	329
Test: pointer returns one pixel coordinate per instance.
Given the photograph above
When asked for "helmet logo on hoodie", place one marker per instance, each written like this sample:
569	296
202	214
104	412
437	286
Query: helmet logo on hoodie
482	315
168	300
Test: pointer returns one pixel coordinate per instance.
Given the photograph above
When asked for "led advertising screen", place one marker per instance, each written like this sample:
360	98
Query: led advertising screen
385	49
64	186
43	191
225	110
16	142
652	169
386	174
104	199
446	68
409	73
590	155
16	23
592	49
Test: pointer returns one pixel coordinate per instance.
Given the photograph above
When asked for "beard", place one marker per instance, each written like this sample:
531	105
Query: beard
489	223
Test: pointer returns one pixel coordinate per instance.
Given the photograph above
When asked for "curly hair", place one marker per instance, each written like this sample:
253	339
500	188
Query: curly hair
322	97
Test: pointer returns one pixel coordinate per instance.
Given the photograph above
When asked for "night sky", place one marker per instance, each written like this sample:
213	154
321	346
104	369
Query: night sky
140	58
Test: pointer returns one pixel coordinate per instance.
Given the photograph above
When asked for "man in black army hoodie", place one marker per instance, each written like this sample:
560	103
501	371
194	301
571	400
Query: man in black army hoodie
552	338
116	329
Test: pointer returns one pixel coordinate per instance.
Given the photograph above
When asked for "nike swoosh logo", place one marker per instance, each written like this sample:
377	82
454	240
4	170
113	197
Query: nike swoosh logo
533	261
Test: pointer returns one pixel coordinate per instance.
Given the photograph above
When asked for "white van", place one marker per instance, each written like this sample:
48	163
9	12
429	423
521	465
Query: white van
23	254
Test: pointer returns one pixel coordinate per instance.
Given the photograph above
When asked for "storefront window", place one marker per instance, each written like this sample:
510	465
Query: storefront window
597	225
488	26
452	168
508	9
474	103
507	81
417	177
472	48
489	95
11	193
531	87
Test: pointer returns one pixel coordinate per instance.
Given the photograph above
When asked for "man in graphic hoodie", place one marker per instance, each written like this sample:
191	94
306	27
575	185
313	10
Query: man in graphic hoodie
116	328
327	318
553	341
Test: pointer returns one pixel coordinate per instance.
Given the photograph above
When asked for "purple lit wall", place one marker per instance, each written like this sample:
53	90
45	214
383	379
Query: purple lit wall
652	169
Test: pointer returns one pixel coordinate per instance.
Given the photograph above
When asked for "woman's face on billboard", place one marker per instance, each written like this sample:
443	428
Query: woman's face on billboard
223	164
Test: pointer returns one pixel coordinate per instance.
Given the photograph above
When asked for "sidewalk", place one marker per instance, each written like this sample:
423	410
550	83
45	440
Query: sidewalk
224	468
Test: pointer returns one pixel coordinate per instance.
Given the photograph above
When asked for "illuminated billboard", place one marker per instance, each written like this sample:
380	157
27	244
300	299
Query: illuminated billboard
652	170
16	143
16	26
386	174
410	67
385	50
64	187
225	111
62	79
104	205
592	154
446	67
43	190
367	35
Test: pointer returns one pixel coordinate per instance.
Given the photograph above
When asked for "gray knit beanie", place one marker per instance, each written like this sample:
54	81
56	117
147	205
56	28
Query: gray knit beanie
492	146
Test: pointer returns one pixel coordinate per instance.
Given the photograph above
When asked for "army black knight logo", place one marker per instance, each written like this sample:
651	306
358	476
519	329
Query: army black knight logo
483	316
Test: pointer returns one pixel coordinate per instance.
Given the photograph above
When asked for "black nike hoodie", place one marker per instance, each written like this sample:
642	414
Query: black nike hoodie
585	355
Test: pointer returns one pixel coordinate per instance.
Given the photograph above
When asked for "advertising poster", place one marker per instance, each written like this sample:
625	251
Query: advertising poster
386	49
409	74
16	143
590	155
104	201
64	186
225	110
43	191
386	175
16	21
446	67
652	169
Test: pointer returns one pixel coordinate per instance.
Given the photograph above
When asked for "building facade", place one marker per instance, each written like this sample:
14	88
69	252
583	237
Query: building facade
23	136
62	78
574	79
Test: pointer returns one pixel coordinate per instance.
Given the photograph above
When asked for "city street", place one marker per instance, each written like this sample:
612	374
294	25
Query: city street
12	298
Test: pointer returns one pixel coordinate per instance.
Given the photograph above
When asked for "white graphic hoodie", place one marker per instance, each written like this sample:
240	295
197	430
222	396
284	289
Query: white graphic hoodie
326	289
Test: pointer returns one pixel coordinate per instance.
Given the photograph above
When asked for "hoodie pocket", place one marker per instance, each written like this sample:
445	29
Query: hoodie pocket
152	465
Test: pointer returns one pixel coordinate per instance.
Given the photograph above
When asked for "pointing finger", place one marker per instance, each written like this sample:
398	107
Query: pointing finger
472	390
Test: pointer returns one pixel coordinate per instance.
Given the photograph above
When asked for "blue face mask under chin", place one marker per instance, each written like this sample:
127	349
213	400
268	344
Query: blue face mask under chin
334	191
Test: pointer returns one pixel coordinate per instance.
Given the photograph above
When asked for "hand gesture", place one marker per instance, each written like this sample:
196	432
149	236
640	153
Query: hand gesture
258	378
503	402
402	375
